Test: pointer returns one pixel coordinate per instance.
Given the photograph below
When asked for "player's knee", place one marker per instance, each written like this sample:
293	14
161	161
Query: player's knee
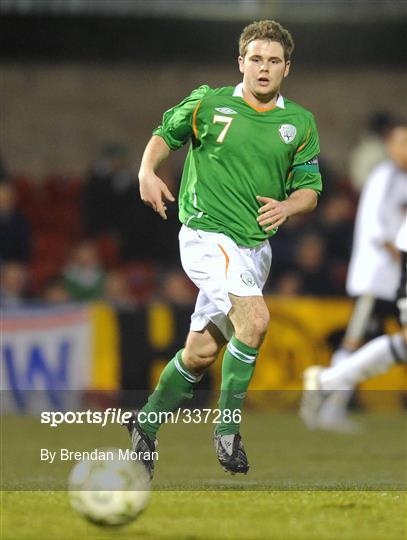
198	361
399	347
260	324
202	349
253	329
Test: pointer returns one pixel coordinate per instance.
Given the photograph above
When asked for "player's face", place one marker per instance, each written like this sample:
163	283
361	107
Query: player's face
264	69
397	146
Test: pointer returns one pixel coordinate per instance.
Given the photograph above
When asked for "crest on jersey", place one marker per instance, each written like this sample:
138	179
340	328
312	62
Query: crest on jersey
225	110
287	133
247	279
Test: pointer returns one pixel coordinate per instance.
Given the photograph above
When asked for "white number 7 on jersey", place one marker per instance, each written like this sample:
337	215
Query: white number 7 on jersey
222	120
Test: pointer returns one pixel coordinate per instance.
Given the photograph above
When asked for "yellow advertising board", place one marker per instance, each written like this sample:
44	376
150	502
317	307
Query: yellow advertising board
302	332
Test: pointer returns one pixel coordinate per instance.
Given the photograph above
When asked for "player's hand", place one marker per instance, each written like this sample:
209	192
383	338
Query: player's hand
393	251
154	193
272	213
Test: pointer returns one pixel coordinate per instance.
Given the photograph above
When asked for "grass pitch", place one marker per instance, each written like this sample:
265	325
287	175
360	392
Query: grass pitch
302	485
234	515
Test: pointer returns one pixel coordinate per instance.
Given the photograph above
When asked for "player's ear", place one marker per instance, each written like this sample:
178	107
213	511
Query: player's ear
241	62
287	68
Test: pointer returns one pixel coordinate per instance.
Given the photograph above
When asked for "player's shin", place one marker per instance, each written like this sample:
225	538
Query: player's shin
374	358
237	370
176	383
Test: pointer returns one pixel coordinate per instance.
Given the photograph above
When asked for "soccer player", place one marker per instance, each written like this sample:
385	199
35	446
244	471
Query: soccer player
252	163
374	269
376	357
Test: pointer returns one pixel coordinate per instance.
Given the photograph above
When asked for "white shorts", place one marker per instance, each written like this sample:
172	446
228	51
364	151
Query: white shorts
218	267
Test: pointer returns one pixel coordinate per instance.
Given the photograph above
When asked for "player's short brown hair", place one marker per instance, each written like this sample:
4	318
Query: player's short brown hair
270	30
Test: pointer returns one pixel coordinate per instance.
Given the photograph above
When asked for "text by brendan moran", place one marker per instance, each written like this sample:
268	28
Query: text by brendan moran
64	454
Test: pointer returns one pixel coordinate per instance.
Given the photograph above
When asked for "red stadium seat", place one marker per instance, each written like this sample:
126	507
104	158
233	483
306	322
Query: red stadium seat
108	251
40	272
51	246
142	279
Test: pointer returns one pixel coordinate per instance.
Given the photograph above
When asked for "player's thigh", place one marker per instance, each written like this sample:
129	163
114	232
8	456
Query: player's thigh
249	314
202	347
204	263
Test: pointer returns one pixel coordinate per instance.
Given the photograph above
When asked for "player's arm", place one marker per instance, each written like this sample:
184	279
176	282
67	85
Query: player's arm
175	130
274	213
153	190
374	213
303	183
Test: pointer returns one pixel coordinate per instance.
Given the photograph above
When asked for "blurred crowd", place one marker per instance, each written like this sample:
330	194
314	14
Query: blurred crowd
78	239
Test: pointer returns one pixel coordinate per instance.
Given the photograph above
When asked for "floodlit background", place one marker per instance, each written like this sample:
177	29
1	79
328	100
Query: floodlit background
93	298
83	84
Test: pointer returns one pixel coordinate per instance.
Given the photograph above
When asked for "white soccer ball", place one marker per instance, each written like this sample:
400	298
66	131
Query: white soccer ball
110	491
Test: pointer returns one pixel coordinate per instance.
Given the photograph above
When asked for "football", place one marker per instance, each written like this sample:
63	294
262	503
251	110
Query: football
109	490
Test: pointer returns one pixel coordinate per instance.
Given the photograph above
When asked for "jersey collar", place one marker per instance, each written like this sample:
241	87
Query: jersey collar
238	92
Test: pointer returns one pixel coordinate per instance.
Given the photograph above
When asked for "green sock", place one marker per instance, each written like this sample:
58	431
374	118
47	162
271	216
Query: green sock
176	383
237	370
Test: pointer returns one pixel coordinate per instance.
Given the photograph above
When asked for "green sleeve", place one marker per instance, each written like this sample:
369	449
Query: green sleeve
177	125
305	173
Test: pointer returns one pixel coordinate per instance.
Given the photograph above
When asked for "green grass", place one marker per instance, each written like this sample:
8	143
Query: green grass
302	485
235	515
283	454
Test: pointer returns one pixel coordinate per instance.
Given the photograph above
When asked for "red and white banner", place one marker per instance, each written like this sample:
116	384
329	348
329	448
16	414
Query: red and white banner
45	349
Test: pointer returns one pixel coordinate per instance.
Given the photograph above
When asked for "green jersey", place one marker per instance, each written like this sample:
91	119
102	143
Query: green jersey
236	153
